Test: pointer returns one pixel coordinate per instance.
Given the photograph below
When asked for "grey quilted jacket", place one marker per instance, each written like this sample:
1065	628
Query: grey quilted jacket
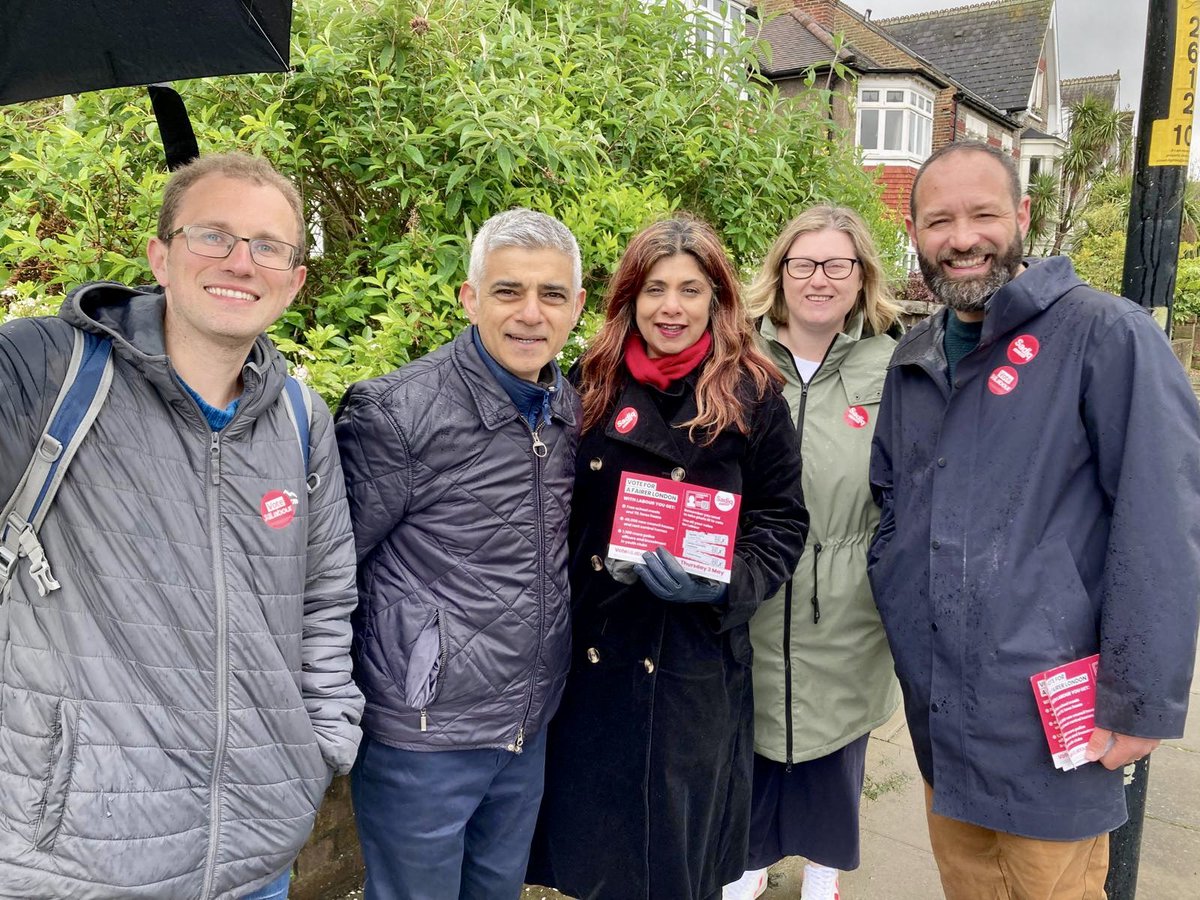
170	718
462	637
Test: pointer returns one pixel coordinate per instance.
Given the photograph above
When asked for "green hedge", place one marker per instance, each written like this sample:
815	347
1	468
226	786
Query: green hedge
406	129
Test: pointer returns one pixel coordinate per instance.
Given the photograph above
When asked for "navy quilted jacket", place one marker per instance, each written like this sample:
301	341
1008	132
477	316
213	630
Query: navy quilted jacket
462	636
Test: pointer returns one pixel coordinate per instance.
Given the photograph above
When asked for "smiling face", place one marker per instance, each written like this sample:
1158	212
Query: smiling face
967	231
819	305
524	307
673	305
222	305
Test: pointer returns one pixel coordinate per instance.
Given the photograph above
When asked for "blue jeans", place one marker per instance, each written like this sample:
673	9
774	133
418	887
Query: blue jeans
276	890
446	824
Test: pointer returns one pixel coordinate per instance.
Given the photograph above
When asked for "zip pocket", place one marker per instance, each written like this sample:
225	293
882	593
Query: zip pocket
423	674
58	776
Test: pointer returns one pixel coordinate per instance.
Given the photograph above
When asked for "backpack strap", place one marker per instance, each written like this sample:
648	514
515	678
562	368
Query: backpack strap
300	412
89	375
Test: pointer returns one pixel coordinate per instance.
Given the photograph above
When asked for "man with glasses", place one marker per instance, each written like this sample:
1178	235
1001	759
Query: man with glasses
172	710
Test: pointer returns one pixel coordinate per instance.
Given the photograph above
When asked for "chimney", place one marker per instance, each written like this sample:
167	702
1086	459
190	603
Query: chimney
821	11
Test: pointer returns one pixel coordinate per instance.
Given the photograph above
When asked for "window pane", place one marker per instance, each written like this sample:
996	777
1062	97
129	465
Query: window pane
895	96
926	137
893	126
870	96
868	128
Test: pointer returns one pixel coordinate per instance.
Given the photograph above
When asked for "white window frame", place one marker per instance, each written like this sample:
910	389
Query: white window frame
977	126
1006	142
914	102
719	22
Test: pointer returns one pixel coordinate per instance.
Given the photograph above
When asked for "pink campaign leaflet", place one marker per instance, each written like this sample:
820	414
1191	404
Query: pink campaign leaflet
696	524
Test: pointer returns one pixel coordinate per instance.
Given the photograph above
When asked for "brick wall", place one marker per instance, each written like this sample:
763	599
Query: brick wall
822	11
897	184
330	865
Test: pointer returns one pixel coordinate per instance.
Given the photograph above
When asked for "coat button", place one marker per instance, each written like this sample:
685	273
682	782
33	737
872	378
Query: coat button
934	544
649	664
933	626
597	563
596	464
933	707
593	655
677	473
941	462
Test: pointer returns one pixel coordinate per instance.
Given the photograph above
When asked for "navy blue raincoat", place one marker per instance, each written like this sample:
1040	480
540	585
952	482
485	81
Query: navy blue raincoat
1044	509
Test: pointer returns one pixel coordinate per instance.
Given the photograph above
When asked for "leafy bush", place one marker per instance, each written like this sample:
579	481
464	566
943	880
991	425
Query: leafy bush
406	126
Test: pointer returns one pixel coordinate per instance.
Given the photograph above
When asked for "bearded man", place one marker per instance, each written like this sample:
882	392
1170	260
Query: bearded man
1037	461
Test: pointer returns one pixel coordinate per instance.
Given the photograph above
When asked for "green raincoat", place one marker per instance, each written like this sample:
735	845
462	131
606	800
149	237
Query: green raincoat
822	670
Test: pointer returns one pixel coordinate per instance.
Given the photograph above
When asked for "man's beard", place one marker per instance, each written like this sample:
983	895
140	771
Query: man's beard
971	294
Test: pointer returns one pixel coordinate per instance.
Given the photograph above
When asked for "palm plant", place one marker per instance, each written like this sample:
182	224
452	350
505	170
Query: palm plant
1094	147
1043	208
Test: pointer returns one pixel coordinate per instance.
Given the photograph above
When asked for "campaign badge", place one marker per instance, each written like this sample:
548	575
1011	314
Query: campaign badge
856	417
626	419
1003	380
1023	349
278	508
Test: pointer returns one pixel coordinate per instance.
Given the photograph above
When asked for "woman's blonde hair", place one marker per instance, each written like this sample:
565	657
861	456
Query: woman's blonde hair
765	294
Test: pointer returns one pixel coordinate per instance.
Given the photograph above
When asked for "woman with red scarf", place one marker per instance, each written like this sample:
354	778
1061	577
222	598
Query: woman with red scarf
650	755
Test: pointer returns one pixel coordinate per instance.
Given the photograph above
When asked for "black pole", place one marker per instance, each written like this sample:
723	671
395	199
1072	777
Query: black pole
1151	255
1160	167
1125	844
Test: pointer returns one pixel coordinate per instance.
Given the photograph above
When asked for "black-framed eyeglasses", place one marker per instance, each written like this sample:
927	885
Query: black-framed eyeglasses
204	240
837	268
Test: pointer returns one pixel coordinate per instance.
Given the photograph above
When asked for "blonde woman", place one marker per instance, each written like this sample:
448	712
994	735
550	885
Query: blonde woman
822	671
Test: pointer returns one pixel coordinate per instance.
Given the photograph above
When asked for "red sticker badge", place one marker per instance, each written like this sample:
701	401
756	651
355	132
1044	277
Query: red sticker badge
626	419
278	508
1023	349
856	417
1003	380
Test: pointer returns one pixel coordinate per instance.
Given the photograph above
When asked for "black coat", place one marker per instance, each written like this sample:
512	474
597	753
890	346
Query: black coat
649	768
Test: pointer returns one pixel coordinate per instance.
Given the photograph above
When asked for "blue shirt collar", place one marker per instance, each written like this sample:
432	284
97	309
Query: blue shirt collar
531	400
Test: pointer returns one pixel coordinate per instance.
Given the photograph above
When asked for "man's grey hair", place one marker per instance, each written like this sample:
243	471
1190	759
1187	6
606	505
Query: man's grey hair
528	230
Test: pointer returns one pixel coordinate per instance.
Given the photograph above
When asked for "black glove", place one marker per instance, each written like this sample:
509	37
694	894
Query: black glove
665	578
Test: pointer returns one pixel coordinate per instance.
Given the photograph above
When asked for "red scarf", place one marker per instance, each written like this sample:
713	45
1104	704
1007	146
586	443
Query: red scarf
661	371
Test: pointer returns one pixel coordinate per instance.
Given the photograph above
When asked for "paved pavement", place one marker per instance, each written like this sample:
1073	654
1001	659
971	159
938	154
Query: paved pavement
896	860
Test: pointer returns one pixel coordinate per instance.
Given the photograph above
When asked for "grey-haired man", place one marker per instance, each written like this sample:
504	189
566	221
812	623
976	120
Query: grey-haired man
459	469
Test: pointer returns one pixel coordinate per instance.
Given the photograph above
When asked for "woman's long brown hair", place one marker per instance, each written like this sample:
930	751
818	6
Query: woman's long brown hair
734	354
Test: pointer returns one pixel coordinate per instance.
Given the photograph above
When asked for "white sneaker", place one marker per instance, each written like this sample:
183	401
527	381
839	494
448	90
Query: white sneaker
752	883
820	883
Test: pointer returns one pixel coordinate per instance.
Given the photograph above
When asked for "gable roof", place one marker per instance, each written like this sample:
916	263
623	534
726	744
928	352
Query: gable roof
992	48
797	43
1104	87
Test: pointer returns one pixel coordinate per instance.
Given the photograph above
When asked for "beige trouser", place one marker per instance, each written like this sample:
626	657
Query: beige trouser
980	864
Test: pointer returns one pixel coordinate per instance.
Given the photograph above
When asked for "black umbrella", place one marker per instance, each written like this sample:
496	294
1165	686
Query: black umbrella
48	49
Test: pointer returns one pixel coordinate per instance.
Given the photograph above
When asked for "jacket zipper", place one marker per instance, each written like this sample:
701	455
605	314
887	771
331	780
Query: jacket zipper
221	675
443	653
787	599
540	450
787	671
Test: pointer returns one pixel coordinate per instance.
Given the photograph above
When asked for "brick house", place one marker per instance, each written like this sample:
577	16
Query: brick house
988	71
